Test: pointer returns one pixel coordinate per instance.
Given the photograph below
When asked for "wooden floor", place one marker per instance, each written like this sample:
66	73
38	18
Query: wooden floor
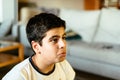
80	75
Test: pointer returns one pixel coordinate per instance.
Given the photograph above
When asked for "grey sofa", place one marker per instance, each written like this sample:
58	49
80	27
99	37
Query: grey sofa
98	51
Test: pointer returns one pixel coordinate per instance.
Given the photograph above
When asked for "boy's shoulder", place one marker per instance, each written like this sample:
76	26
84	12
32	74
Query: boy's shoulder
22	64
17	70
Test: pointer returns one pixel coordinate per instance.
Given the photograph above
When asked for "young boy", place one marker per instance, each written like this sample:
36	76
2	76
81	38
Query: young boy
46	34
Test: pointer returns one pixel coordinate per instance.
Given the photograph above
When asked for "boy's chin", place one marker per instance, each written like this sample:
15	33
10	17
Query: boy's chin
62	59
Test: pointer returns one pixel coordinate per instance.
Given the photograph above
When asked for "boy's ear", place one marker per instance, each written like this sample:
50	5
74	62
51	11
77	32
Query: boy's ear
35	46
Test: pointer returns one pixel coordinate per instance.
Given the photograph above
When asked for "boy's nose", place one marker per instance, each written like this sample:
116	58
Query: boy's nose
62	43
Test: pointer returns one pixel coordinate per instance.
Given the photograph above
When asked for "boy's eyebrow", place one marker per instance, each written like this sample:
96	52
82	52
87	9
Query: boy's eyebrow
56	36
53	37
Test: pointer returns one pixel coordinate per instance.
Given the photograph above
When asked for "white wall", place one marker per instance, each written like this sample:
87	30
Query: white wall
9	9
0	10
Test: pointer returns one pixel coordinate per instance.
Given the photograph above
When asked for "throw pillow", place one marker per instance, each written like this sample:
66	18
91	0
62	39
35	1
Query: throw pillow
71	35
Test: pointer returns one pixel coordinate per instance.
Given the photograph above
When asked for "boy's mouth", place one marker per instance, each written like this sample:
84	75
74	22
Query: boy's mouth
63	54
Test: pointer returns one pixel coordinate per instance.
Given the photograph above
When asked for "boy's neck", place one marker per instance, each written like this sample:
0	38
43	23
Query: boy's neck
43	68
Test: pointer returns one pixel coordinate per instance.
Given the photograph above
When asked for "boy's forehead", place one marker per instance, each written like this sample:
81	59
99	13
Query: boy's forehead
56	31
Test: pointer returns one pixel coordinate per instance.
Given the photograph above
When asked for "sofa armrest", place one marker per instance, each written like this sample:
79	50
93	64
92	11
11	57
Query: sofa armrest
13	35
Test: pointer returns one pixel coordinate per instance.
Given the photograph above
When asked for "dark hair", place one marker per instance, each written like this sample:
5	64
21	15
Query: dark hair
38	25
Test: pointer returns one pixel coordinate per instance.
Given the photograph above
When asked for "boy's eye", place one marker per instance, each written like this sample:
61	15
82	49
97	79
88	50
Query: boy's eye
54	40
64	37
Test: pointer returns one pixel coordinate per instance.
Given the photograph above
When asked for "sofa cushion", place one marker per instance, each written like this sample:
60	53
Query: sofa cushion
82	22
109	26
99	52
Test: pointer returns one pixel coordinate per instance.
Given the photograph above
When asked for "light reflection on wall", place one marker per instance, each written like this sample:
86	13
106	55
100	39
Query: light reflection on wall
72	4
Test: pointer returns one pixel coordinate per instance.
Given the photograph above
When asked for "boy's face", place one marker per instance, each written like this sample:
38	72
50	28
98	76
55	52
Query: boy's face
53	47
